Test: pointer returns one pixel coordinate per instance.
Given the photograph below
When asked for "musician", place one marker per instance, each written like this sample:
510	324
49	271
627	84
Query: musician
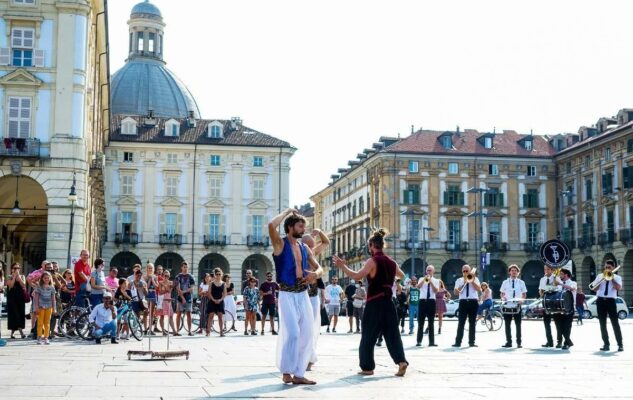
513	288
607	292
428	287
467	292
547	285
566	284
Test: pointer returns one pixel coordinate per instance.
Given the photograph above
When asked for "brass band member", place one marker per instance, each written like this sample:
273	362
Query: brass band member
566	284
547	284
466	288
511	289
426	307
607	291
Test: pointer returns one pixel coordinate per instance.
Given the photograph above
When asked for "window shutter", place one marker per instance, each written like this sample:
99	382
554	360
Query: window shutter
460	198
249	224
162	224
133	223
16	37
207	228
525	201
501	204
38	58
179	223
119	224
27	38
5	56
445	198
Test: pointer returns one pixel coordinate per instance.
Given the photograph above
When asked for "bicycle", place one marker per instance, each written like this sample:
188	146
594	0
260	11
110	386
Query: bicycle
85	328
215	324
492	319
66	325
195	318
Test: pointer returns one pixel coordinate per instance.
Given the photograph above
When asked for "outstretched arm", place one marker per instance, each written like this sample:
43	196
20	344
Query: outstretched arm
275	238
356	275
325	241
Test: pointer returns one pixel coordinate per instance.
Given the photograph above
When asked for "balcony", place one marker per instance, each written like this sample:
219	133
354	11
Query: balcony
606	239
496	247
532	247
126	238
626	236
456	246
586	242
410	245
18	147
169	239
214	240
257	241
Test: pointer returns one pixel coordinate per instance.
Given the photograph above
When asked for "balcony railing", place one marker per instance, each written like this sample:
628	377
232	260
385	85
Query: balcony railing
606	238
126	238
496	247
410	245
532	247
169	239
626	236
214	240
18	147
586	242
257	241
456	246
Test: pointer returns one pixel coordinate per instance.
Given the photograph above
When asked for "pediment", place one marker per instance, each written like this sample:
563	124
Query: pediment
494	214
607	201
454	212
533	214
127	201
570	211
172	202
628	195
20	77
258	205
588	206
215	203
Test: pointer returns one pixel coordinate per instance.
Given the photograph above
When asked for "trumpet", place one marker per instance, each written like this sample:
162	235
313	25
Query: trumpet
606	276
469	278
426	279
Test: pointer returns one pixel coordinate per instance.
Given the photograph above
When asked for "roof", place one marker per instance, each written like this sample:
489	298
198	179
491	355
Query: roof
507	143
146	8
596	138
234	134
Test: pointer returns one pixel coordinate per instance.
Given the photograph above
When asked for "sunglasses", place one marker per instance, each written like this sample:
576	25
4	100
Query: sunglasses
218	273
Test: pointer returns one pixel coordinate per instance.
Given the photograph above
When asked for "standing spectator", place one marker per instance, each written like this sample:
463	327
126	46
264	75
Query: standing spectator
229	301
136	267
184	288
97	283
581	303
103	316
203	296
269	290
152	297
81	271
401	305
57	282
1	287
138	288
350	290
32	281
245	284
414	302
440	304
217	293
333	295
251	297
44	303
360	296
16	289
67	292
112	282
122	295
168	310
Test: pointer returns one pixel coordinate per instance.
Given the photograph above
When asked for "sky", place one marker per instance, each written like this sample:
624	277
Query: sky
332	76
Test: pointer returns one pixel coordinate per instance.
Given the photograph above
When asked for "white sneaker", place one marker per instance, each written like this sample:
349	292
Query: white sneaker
40	341
124	336
46	341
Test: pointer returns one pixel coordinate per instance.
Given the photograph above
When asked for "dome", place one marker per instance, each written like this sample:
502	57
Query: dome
146	8
144	84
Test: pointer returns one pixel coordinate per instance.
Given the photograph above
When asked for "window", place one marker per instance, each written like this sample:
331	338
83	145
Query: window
215	187
570	193
587	229
629	146
493	198
172	186
127	185
19	117
412	194
258	161
610	227
453	196
215	160
214	226
453	168
126	223
494	233
128	156
258	226
172	158
454	232
172	128
171	221
150	42
413	235
607	183
627	177
215	130
493	169
447	142
568	167
607	153
531	170
488	142
140	41
528	145
589	189
25	2
587	161
128	127
530	199
533	231
258	189
414	167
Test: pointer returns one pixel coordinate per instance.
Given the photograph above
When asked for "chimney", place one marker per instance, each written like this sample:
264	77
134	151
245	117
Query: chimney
191	120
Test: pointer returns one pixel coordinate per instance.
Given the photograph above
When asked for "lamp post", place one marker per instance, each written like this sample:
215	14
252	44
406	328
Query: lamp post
72	197
563	194
425	229
410	214
479	224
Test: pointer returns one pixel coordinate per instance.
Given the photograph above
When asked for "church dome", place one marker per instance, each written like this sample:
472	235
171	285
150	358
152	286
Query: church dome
146	8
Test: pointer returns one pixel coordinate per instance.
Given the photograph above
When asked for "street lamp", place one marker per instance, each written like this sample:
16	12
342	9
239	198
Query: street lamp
16	206
72	197
425	229
563	194
479	224
410	214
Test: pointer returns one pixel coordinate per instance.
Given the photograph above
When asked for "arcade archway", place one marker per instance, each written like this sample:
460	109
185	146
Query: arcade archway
124	261
210	262
414	264
627	274
496	274
451	271
171	262
531	274
259	264
589	265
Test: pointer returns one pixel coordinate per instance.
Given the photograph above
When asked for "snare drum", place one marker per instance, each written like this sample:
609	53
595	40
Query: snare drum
561	302
510	310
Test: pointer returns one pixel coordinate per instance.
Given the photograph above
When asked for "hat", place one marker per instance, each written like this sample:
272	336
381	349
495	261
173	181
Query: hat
107	295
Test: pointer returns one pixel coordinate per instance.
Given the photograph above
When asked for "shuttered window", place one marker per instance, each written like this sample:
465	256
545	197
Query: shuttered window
19	117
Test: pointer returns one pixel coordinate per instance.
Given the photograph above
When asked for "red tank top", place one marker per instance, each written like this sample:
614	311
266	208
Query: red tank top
381	284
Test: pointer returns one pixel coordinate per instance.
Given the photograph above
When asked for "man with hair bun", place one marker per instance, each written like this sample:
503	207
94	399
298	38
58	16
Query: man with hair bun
380	312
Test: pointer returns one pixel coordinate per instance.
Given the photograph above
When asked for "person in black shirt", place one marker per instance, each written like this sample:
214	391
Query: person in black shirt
122	295
350	291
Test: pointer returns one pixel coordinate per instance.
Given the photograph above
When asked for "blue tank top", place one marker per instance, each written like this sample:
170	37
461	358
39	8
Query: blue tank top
285	263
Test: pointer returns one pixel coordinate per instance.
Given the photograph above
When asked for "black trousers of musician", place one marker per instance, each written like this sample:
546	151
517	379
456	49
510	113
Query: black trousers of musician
547	321
380	317
426	311
467	309
517	323
565	322
607	308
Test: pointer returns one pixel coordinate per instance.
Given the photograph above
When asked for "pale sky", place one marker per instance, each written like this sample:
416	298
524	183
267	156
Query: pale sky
332	76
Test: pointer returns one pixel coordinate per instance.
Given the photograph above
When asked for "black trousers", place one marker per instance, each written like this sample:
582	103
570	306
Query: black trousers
517	323
565	323
426	311
547	320
467	309
380	317
607	308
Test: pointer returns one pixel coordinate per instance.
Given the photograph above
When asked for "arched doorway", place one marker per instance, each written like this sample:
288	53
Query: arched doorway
171	262
211	261
24	222
531	274
496	273
124	261
627	272
589	265
451	270
259	264
418	265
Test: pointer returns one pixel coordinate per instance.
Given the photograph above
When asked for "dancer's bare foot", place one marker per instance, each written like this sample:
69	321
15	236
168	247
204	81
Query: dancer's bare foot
366	373
309	366
302	381
402	369
286	378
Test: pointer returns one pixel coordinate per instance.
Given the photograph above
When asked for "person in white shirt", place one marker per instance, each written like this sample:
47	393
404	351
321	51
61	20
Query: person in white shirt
511	289
547	285
103	316
426	307
333	294
468	303
607	292
566	284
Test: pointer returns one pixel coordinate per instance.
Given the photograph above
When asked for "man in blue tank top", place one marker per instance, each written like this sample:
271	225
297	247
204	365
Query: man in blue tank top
296	267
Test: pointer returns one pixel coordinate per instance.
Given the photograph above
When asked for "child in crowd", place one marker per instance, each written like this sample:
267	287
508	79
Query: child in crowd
44	304
251	297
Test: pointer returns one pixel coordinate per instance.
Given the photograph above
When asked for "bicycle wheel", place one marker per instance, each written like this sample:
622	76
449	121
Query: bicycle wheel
67	321
494	321
134	325
83	327
229	321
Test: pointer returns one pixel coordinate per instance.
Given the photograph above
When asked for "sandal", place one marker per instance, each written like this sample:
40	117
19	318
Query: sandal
366	373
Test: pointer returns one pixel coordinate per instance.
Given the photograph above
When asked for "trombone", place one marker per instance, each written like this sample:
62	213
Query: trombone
606	276
468	278
426	279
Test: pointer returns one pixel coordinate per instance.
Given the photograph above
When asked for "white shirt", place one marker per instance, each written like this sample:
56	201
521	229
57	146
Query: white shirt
611	292
545	286
204	287
469	291
573	286
424	289
101	315
333	294
513	292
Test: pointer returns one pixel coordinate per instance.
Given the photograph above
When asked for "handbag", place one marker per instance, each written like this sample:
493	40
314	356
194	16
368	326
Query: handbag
26	295
357	303
325	320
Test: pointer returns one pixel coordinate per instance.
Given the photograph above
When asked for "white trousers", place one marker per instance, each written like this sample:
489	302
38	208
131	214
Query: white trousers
316	314
229	305
294	343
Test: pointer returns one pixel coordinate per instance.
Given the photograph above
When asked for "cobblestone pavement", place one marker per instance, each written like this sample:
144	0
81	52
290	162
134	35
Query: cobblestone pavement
243	367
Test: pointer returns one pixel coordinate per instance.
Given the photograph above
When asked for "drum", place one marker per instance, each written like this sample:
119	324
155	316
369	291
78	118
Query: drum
560	302
510	310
